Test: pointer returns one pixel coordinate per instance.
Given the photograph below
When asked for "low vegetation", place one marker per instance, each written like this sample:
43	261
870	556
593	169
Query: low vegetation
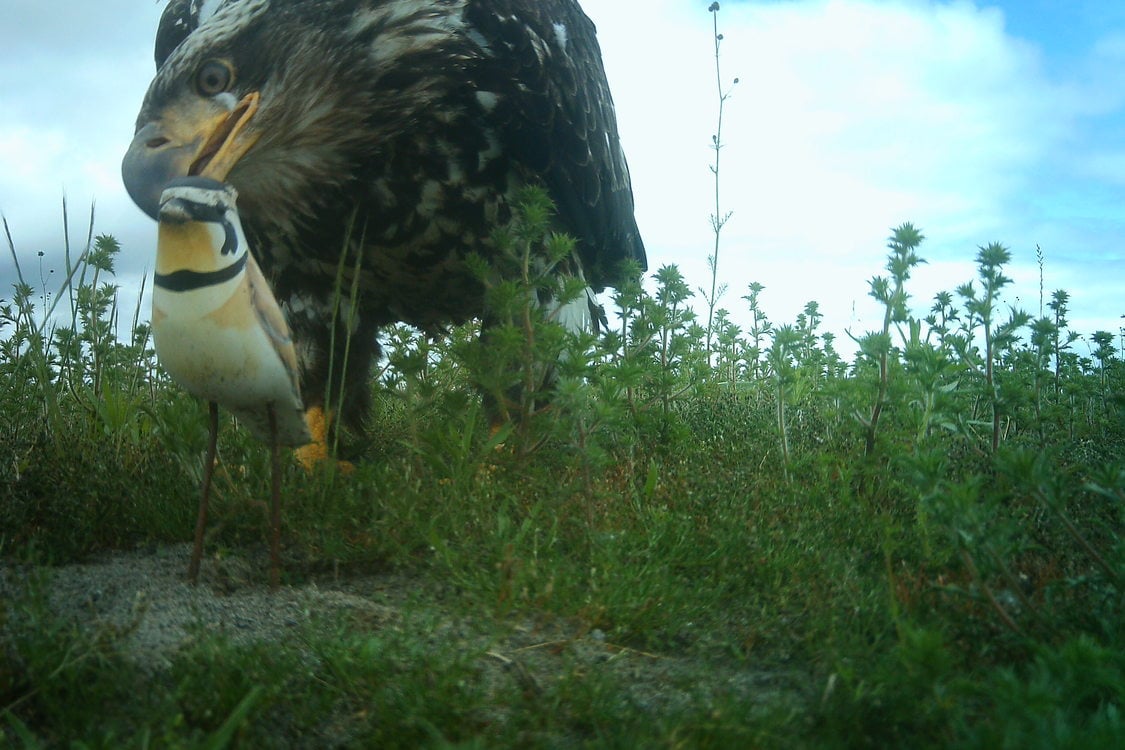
920	547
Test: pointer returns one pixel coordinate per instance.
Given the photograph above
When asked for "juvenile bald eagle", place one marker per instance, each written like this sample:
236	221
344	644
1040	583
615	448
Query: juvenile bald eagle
396	131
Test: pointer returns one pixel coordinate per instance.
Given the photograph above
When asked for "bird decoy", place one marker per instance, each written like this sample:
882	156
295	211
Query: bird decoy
220	334
382	142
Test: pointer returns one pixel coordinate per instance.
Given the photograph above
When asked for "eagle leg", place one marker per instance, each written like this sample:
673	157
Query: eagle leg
317	453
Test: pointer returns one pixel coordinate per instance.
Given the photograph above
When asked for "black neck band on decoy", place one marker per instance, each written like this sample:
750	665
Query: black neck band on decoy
187	280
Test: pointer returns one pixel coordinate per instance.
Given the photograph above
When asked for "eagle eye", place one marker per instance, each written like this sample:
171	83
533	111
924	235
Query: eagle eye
213	77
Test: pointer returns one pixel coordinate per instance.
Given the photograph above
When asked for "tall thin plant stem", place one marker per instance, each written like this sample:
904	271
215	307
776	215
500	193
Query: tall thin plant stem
718	219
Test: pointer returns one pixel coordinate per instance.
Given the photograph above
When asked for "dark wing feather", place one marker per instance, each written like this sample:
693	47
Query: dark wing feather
180	18
558	120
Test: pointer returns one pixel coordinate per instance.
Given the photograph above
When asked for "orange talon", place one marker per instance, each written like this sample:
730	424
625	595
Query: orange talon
316	452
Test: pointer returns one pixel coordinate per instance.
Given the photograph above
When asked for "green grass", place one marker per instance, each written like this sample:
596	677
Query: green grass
676	554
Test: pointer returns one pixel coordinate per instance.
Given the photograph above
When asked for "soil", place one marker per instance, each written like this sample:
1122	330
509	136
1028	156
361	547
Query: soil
144	596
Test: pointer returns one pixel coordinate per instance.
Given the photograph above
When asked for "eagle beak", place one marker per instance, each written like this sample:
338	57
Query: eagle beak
183	142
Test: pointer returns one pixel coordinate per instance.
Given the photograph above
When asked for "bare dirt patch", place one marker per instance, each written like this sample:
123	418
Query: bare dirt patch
144	597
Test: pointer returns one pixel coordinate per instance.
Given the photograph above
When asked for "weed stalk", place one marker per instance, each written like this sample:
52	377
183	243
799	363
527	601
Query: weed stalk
719	218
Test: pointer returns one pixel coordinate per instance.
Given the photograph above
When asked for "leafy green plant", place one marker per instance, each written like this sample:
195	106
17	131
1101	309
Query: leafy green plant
522	338
760	327
891	293
999	338
781	360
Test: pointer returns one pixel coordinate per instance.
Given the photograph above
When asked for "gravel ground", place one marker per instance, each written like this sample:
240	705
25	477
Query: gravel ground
144	596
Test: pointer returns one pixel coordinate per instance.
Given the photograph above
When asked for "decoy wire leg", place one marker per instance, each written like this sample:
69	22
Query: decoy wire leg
275	502
205	496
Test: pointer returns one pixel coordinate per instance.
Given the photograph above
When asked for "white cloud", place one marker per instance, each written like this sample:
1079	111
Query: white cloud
27	153
73	80
851	117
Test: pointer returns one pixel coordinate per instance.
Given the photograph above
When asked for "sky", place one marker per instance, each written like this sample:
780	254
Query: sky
978	122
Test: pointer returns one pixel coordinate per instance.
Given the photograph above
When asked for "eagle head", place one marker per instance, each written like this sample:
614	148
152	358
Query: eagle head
247	94
199	115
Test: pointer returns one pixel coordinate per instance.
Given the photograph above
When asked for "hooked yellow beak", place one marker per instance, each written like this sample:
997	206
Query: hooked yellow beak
195	138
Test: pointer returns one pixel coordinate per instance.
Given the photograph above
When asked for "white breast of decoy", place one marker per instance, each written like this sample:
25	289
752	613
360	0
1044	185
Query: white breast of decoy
217	327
